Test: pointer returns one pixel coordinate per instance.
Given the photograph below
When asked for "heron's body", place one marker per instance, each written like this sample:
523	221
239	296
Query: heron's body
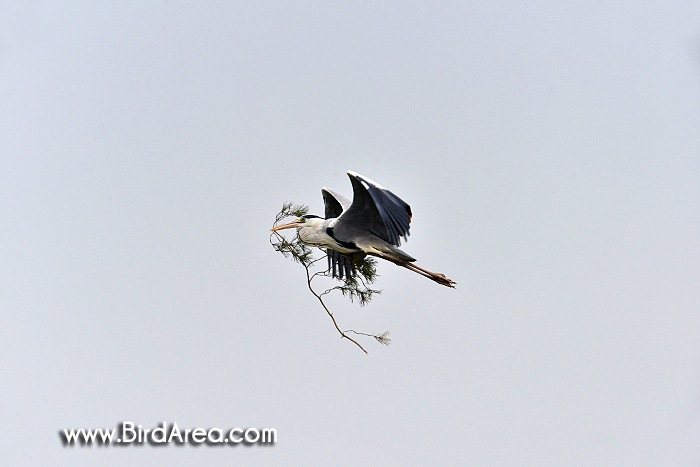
372	224
319	232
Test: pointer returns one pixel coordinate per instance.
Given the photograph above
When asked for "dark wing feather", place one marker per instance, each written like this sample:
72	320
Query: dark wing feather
339	264
376	209
335	202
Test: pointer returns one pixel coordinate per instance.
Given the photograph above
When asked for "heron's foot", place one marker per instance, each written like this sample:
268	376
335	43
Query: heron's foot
444	280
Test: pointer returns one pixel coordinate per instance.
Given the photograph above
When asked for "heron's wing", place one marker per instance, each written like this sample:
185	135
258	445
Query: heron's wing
335	202
339	264
375	209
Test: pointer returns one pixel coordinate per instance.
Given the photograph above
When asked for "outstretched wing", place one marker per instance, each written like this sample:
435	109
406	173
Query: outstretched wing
339	264
375	209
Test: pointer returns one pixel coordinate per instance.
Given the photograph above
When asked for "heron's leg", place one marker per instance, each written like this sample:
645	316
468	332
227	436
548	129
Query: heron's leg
436	276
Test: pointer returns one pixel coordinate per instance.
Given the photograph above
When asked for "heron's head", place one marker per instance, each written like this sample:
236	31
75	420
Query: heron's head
308	220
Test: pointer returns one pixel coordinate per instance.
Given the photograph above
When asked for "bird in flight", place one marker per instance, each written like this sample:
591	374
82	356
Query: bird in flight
373	224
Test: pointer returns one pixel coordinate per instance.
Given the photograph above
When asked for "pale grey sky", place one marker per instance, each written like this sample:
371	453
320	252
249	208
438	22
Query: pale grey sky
550	152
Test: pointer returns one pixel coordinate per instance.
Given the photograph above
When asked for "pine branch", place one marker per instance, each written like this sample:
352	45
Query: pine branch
356	288
382	338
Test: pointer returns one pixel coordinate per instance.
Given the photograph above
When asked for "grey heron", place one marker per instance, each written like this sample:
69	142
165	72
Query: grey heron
373	224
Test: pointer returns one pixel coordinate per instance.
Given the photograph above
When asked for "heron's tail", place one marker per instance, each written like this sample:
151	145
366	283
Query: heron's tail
392	253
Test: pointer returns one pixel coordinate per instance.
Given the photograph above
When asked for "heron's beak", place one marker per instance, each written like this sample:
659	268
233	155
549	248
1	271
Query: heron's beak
288	225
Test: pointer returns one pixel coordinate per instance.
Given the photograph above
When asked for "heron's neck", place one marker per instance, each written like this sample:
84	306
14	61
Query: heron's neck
313	232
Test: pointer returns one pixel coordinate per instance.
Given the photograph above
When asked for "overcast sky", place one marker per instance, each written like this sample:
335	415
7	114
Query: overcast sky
550	152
